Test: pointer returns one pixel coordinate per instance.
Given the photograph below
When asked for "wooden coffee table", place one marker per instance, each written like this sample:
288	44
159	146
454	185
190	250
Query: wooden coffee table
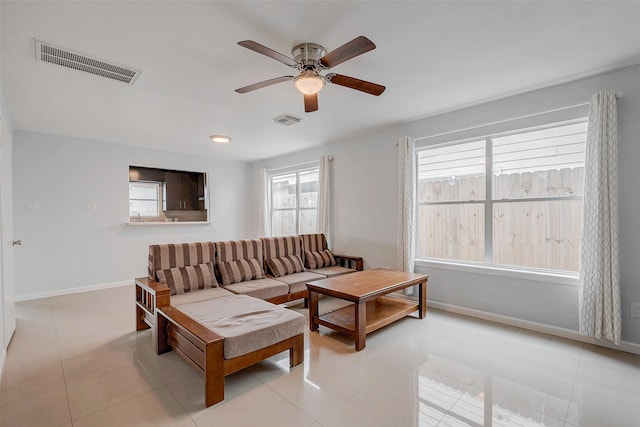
371	309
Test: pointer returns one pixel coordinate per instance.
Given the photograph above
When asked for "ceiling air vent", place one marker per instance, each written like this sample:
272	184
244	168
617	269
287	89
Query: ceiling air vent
286	120
60	56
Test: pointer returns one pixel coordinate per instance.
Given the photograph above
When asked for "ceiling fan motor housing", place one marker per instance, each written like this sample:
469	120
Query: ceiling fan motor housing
308	55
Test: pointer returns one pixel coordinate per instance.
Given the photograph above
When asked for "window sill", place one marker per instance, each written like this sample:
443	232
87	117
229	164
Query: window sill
570	279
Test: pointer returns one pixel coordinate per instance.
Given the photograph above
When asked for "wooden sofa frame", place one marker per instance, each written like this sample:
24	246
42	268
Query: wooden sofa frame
151	294
204	350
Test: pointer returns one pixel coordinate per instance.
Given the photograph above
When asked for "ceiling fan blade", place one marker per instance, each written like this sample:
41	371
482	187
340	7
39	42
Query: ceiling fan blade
310	103
349	50
257	47
357	84
264	84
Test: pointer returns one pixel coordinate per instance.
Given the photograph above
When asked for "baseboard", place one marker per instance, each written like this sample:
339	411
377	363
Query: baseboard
67	291
629	347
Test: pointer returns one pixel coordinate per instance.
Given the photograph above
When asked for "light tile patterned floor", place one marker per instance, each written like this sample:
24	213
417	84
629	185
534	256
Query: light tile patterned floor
76	361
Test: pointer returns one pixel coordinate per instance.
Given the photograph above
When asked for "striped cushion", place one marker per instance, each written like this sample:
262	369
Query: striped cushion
238	249
240	270
314	242
276	247
288	264
319	259
188	279
164	257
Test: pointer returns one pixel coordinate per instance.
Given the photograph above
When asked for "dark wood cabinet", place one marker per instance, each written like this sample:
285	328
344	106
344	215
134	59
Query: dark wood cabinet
183	190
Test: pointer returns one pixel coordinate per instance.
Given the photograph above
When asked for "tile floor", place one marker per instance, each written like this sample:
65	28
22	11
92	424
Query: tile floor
76	361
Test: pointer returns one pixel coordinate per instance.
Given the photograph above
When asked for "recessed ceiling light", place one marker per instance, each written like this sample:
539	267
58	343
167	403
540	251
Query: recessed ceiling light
220	139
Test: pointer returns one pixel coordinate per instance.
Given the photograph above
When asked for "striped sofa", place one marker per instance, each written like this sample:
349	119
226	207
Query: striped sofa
275	269
214	303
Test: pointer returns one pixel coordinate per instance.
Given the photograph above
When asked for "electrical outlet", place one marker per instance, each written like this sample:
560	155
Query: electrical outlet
635	309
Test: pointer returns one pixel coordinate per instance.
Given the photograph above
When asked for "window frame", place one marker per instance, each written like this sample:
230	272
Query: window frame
487	265
159	198
297	170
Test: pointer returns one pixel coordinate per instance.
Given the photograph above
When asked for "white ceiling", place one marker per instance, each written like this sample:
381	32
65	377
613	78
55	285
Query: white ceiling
431	56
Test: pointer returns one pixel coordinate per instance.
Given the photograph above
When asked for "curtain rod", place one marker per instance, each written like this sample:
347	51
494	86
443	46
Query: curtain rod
568	107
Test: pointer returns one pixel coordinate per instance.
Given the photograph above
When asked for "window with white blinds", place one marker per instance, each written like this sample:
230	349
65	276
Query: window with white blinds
293	201
510	199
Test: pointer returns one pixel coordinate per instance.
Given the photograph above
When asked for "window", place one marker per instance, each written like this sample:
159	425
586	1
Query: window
293	201
144	199
528	215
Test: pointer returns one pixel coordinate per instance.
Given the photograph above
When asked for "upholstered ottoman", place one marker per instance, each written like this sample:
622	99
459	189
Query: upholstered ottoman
223	335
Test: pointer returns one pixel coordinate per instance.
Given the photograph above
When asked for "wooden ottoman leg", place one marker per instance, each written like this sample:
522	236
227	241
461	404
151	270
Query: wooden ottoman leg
214	373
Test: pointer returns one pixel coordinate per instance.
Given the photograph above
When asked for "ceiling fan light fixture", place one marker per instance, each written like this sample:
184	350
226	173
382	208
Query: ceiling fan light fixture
309	82
220	139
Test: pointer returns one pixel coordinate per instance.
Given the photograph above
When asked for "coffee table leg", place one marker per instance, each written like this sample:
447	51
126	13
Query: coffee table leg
313	311
360	324
422	304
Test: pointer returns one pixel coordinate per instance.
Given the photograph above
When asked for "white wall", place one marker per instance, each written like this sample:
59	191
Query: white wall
66	246
365	214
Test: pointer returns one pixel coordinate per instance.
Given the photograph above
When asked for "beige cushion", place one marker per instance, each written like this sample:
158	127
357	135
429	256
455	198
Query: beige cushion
319	259
240	270
262	288
298	281
188	279
332	271
202	295
247	324
288	264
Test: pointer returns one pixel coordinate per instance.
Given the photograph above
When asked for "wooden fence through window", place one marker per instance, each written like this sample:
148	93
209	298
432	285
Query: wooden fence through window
532	233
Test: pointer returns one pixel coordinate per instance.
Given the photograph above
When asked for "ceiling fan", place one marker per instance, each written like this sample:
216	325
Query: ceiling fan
310	59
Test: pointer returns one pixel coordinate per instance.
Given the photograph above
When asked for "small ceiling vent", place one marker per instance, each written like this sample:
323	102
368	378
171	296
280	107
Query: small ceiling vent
286	120
64	57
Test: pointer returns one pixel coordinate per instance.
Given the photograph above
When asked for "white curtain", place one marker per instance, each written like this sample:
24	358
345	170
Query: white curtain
263	207
599	291
324	195
406	181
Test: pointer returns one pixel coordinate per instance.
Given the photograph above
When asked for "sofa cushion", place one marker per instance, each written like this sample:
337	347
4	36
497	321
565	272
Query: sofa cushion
234	250
188	279
314	242
240	270
202	295
275	247
247	324
298	281
333	271
287	264
321	259
261	288
172	255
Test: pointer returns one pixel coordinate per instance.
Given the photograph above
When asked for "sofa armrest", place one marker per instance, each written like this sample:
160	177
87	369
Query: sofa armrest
197	345
193	330
149	295
348	261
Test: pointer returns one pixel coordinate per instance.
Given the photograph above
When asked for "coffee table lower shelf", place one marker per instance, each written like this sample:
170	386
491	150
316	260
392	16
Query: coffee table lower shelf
381	312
